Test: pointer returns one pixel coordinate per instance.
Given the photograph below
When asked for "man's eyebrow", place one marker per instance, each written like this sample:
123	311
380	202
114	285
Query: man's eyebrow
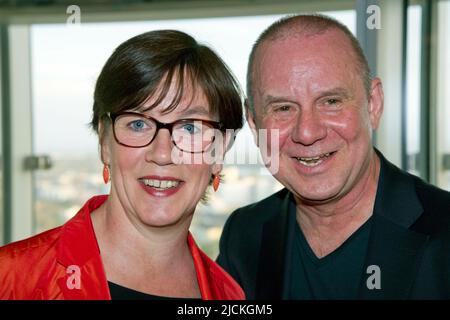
339	91
269	99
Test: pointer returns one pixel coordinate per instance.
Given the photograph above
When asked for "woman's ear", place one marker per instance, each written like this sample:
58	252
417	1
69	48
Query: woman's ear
250	116
230	136
224	142
216	168
105	152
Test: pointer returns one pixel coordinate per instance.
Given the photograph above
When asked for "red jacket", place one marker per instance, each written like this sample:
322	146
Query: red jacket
65	263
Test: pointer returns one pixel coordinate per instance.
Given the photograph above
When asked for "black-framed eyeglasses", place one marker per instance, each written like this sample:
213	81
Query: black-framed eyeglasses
136	130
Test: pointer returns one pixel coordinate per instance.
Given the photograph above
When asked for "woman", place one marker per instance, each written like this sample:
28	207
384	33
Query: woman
158	103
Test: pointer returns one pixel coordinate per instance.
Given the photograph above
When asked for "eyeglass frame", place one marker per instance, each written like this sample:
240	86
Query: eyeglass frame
160	125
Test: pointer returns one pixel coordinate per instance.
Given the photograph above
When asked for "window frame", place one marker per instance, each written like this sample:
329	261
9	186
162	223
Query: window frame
18	182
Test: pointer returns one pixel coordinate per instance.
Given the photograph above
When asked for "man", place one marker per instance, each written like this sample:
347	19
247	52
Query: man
349	224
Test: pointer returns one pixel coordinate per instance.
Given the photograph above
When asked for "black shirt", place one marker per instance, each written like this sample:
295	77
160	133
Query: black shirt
118	292
335	276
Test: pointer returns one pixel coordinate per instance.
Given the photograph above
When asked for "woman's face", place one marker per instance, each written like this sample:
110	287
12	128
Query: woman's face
151	186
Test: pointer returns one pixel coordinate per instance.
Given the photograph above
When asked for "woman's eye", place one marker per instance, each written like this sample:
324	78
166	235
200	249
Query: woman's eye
137	125
190	128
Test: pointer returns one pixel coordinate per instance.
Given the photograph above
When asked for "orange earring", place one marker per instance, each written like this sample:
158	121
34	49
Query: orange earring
216	182
105	174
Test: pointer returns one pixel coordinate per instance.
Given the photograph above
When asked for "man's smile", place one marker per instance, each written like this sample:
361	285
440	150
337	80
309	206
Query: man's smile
315	160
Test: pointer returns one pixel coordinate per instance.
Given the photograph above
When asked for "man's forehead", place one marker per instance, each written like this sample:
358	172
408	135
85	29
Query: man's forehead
286	59
312	70
331	41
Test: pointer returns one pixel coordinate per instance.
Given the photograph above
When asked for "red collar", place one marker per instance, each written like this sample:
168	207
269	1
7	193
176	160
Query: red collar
78	246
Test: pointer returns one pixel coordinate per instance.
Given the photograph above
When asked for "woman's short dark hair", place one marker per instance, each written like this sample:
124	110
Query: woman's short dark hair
147	64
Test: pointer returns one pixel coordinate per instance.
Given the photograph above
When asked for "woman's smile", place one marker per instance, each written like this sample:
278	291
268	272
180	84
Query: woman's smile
159	186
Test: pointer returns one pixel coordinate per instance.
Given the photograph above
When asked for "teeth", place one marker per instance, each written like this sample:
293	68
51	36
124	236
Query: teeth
314	161
160	184
314	158
311	163
310	159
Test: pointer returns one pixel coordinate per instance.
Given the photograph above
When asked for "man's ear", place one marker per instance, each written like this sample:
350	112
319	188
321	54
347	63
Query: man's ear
376	103
250	116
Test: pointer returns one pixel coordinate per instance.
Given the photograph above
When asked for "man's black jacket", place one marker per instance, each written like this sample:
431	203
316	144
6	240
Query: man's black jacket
409	242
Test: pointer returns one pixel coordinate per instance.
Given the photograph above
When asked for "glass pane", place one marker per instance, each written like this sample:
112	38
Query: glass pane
66	63
443	94
413	50
2	213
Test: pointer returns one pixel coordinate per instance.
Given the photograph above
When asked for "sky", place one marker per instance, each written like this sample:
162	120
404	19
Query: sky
67	59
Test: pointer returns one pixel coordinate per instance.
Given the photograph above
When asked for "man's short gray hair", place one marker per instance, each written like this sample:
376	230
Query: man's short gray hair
308	25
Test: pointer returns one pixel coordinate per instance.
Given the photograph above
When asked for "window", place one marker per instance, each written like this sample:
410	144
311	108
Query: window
442	95
65	64
2	213
427	74
413	89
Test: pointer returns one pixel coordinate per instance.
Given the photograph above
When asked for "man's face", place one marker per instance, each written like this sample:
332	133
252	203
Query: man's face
311	90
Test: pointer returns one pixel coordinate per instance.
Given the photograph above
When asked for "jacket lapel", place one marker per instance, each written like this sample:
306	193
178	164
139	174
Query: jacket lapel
274	260
83	276
393	246
214	283
396	253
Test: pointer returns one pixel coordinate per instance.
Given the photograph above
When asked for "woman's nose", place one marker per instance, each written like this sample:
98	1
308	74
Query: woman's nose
160	150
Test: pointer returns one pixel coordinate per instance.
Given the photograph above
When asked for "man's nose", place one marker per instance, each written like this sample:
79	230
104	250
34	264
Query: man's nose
160	150
308	128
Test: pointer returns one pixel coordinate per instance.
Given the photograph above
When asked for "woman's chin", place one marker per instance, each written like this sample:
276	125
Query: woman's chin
161	220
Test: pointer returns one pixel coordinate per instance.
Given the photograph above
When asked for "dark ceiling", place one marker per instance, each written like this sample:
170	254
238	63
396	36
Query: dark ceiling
10	4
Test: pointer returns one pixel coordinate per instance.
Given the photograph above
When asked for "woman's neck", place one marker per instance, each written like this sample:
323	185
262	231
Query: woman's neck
147	259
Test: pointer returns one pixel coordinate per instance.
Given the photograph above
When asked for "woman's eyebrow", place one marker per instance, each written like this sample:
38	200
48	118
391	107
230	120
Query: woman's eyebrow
195	110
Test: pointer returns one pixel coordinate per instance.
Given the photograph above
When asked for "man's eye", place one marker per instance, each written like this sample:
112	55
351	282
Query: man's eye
283	108
333	102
